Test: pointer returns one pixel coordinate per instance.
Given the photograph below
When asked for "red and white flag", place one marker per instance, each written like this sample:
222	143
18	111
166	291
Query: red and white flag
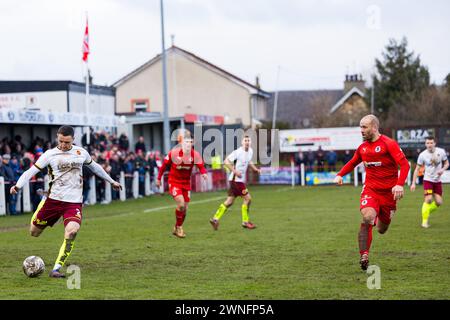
86	43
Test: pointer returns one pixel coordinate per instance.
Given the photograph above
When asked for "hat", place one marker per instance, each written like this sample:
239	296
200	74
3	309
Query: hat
7	156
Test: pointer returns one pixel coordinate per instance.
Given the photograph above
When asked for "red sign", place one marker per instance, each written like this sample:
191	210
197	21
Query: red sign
191	118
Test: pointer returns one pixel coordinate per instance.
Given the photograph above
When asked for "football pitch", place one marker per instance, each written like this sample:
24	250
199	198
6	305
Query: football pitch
305	247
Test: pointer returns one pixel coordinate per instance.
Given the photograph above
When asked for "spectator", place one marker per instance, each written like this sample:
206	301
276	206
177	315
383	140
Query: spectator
7	172
91	137
87	175
320	157
140	145
300	159
124	143
139	166
311	159
347	156
331	158
115	164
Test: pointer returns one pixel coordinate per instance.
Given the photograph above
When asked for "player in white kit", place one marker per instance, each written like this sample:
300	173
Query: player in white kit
65	194
436	162
237	162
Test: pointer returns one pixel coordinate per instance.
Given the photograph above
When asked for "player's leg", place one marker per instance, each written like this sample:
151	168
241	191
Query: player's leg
44	215
245	210
369	215
70	232
426	208
180	214
437	193
221	211
34	230
72	214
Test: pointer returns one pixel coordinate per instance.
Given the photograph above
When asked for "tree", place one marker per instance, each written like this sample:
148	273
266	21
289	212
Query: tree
400	77
447	83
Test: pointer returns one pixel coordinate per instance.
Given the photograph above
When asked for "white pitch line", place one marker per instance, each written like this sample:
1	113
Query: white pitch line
190	203
159	208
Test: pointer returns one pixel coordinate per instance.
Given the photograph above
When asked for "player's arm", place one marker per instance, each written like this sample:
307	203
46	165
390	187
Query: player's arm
348	167
166	163
200	165
24	178
445	167
400	159
415	175
100	172
254	168
40	164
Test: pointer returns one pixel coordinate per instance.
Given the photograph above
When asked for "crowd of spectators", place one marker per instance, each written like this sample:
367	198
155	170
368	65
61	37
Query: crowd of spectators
320	160
114	153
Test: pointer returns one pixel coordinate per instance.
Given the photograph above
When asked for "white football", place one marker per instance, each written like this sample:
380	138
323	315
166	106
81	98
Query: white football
33	266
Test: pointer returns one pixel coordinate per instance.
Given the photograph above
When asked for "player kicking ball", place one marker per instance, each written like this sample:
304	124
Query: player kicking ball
237	162
65	194
181	161
383	185
436	162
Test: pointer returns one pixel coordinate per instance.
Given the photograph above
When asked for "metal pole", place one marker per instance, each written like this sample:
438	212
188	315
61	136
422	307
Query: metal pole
166	127
372	97
274	116
275	105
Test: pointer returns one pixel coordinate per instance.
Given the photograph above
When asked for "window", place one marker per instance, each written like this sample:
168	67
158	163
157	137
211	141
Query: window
140	105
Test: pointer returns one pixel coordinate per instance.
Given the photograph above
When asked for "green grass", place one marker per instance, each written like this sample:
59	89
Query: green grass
305	247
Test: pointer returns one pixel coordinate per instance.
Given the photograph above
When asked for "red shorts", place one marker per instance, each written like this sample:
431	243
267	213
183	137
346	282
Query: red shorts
382	201
176	191
237	189
49	211
432	187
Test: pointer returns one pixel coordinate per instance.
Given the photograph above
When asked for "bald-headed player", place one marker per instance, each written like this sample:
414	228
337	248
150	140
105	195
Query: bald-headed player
383	185
65	195
181	160
435	162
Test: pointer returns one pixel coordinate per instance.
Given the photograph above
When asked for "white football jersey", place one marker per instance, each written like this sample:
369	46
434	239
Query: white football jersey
65	169
240	158
433	163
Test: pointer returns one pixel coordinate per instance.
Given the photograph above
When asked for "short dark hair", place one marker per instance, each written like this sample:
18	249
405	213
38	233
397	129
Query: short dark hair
66	131
430	138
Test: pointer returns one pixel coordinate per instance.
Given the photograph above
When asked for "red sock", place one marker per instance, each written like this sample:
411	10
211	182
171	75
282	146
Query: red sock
180	215
365	238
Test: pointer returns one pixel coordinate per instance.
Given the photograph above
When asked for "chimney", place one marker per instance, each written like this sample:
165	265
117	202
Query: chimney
354	80
257	83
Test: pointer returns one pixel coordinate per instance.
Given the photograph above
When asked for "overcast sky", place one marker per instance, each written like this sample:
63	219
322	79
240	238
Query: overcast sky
315	43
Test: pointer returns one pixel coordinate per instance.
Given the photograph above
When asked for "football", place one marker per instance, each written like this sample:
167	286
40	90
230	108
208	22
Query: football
33	266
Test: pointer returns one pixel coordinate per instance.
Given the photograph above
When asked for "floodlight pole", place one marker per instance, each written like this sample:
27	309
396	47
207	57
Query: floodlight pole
166	127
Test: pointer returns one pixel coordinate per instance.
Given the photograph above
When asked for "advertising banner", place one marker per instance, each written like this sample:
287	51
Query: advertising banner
346	138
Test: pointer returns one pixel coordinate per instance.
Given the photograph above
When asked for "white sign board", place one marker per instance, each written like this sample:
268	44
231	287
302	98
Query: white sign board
43	117
346	138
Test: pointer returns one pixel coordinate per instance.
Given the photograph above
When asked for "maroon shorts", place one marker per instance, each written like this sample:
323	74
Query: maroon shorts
49	211
176	191
237	189
432	187
382	201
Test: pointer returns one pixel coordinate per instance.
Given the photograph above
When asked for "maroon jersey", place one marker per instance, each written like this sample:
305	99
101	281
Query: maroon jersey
181	166
381	160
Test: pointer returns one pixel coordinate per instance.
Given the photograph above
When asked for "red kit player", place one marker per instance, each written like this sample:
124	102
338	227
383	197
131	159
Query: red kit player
181	161
383	185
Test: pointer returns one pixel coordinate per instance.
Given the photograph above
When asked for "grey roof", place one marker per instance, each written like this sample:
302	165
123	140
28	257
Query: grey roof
296	106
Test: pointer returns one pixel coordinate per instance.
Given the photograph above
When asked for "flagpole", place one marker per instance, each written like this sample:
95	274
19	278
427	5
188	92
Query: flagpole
86	101
166	124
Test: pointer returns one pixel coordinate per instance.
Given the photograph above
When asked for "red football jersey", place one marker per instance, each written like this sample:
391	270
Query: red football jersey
181	166
381	160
